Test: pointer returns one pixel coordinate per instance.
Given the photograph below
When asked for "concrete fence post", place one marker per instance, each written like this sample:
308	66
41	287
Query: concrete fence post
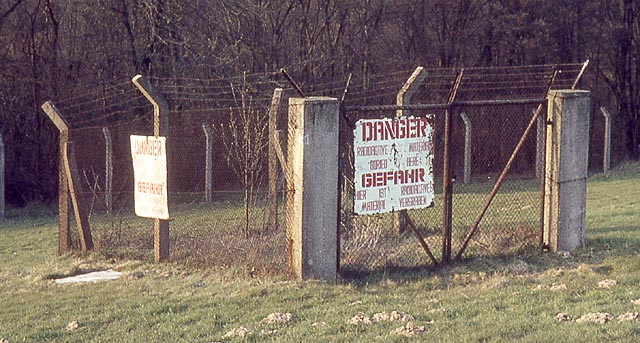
160	128
2	181
567	156
208	165
467	147
108	172
606	162
312	202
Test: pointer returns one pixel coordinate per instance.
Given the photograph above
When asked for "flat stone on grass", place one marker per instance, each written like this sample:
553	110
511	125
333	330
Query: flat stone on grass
105	275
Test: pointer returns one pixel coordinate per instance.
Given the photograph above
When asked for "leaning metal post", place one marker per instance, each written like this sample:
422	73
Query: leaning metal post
399	223
64	233
69	188
447	185
160	128
272	203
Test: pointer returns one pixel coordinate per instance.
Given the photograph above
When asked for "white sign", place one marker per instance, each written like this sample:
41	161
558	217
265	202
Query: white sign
149	155
393	164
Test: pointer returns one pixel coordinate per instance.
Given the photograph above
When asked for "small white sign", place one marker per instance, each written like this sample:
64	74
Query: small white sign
149	155
393	164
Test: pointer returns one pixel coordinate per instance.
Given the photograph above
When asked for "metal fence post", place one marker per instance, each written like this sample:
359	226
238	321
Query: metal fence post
539	145
606	163
108	172
467	147
2	204
447	184
398	222
64	234
77	197
208	169
272	205
160	128
69	188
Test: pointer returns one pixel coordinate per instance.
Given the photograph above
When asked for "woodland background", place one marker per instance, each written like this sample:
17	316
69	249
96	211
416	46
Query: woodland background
56	49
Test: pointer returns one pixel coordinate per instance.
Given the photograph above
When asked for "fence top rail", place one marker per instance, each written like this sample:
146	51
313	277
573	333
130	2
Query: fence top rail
442	106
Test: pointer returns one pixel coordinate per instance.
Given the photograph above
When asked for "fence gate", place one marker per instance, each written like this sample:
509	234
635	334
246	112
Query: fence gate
486	157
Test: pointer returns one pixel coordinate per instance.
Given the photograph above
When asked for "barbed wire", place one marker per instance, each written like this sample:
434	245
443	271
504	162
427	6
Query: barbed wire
91	92
208	96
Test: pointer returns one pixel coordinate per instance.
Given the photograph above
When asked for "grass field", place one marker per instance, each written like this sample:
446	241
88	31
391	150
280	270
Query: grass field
480	300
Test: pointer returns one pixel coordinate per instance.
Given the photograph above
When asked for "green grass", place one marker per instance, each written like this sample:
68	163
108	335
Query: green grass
481	300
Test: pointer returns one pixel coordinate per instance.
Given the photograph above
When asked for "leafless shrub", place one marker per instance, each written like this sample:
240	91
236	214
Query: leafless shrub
245	141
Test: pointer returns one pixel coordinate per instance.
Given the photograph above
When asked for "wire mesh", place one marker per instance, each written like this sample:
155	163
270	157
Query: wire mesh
227	225
224	225
497	105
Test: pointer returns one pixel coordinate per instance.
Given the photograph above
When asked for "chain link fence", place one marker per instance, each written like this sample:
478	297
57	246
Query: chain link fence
218	157
218	178
490	109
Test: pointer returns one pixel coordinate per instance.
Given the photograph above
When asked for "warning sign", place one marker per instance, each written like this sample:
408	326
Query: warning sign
149	155
393	164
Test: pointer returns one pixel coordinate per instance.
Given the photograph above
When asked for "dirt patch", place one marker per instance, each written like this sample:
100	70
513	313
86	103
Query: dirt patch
278	318
393	316
595	318
136	275
73	326
409	329
555	287
319	324
631	316
558	287
238	332
607	283
636	302
565	318
269	332
585	268
360	319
